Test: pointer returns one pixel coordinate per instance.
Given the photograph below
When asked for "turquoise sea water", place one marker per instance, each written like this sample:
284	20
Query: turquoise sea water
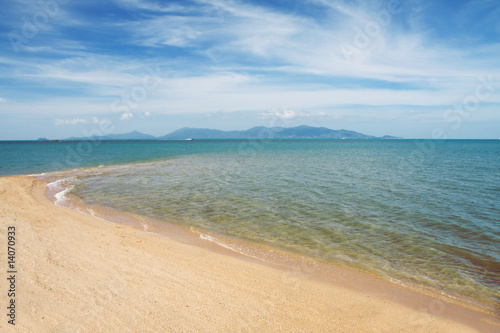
425	212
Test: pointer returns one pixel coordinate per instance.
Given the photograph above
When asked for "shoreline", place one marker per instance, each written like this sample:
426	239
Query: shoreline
366	296
260	252
406	293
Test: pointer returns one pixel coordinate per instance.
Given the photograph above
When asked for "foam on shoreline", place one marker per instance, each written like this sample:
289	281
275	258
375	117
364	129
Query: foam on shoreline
57	190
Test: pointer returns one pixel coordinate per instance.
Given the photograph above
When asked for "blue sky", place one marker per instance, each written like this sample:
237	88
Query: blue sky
408	69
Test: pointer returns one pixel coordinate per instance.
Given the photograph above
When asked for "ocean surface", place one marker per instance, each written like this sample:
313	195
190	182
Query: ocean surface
421	212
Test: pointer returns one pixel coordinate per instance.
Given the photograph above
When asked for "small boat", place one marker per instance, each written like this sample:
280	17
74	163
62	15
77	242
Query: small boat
189	139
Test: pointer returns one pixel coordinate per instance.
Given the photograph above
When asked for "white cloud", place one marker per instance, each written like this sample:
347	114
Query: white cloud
126	116
294	44
250	58
282	114
144	5
286	114
74	121
303	45
169	30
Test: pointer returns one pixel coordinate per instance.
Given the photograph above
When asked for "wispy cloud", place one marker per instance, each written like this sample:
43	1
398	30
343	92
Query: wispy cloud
74	121
249	56
302	45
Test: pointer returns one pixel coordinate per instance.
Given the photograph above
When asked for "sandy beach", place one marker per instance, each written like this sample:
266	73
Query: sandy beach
79	273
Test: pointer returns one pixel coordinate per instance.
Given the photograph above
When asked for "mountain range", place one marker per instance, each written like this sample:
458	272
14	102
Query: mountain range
135	135
299	132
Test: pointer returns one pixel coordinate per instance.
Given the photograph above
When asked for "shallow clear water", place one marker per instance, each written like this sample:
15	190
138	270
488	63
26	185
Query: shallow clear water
420	211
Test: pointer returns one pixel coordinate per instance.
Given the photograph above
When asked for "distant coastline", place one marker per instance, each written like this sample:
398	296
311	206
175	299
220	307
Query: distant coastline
260	133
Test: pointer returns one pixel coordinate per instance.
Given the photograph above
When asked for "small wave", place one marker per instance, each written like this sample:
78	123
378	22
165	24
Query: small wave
94	169
61	189
233	247
36	175
213	240
145	226
60	183
61	196
55	184
93	213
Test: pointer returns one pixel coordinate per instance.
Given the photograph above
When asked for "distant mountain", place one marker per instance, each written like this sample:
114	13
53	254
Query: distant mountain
199	133
260	132
308	132
130	136
389	137
300	132
127	136
205	133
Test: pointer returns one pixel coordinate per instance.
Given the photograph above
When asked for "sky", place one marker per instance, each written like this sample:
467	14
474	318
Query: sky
414	69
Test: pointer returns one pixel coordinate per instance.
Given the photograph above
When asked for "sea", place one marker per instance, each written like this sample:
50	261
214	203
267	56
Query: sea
414	212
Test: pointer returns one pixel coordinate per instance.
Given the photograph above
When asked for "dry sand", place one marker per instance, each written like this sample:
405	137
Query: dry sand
78	273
